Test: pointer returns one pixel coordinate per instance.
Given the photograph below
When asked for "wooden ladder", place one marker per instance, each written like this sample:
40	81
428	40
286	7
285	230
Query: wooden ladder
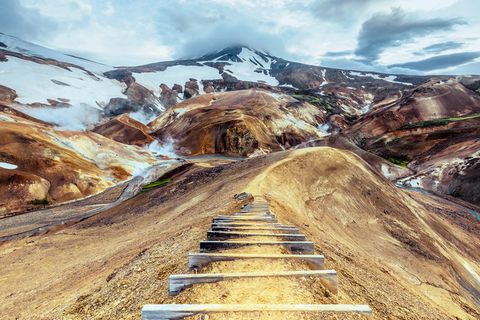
253	220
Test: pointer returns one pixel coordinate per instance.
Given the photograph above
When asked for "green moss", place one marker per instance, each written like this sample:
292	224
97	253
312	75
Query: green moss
40	202
316	101
439	122
399	161
155	184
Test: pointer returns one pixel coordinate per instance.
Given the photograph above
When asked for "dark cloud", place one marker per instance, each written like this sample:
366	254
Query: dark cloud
443	46
22	22
385	30
333	54
344	12
440	62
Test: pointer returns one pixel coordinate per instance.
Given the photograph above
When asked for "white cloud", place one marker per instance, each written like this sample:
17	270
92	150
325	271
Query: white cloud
139	32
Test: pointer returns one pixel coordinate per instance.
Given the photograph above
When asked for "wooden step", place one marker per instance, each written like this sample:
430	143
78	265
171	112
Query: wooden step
253	214
179	282
244	219
270	229
197	260
306	247
248	224
219	235
180	311
259	209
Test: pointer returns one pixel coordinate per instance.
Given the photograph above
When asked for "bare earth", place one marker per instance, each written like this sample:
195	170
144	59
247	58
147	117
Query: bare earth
405	254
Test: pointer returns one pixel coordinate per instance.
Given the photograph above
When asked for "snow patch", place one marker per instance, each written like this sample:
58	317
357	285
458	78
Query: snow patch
413	182
368	103
246	70
33	83
346	76
324	71
288	86
176	75
8	166
377	77
325	128
386	171
252	68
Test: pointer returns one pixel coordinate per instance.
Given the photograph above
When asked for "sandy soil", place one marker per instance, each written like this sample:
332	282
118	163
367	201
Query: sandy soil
391	250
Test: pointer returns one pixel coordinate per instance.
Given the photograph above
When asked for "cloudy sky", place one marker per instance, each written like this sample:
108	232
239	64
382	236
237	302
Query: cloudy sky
402	36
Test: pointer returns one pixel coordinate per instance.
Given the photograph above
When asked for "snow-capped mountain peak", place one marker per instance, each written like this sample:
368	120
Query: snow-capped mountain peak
239	53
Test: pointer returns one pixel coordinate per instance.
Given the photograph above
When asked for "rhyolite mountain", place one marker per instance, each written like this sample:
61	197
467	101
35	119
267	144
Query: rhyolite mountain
421	131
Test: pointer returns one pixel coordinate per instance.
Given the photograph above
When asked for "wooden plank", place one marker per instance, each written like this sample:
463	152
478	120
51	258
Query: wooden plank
218	235
266	210
180	311
198	260
244	219
306	247
178	282
248	224
253	214
253	228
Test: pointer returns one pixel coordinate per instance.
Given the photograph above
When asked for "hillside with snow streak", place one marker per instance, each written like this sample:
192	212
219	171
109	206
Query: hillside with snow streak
67	91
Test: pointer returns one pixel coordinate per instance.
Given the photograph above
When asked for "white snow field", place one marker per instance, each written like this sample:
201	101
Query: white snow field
180	74
376	76
176	74
246	70
35	82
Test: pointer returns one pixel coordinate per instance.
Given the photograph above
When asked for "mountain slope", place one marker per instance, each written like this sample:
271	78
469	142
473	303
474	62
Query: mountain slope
40	165
422	266
67	91
241	67
240	123
435	128
397	117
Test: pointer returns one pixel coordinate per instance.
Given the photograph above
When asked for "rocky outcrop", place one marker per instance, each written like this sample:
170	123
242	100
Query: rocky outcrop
18	189
139	99
125	130
208	87
177	88
191	89
7	95
168	97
